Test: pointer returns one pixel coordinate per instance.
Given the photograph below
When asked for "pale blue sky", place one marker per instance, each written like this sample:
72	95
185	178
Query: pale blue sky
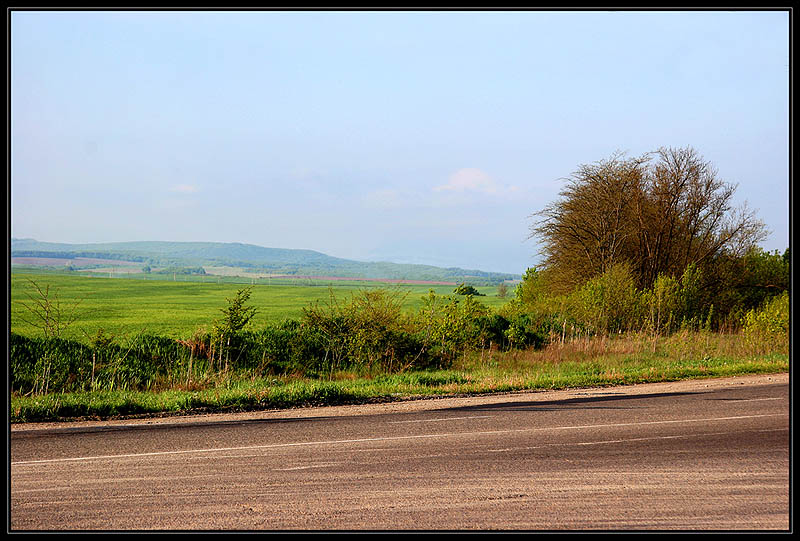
423	137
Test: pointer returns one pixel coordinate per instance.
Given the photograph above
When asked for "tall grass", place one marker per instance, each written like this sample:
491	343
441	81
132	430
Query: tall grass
683	346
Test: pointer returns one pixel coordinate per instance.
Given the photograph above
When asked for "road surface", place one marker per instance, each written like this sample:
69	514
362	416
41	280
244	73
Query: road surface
698	455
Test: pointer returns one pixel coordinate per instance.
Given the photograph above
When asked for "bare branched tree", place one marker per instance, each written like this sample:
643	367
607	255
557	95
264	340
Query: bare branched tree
46	311
659	213
590	228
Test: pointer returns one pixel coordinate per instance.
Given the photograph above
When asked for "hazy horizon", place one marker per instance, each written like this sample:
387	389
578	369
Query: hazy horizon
103	244
413	137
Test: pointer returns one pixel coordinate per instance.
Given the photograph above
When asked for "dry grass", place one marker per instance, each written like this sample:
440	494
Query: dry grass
681	346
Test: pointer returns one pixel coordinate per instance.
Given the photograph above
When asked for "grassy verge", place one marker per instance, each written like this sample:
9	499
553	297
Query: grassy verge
558	367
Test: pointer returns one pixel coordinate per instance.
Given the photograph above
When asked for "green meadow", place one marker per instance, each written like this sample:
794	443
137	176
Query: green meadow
177	308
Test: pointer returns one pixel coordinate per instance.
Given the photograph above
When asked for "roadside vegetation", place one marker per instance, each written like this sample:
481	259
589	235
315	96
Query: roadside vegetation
622	297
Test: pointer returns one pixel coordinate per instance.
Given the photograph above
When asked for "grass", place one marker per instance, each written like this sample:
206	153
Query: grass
124	306
592	363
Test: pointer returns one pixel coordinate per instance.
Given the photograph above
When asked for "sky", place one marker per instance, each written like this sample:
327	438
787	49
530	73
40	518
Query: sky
408	136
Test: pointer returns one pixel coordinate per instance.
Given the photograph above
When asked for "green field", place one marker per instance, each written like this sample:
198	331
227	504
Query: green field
128	306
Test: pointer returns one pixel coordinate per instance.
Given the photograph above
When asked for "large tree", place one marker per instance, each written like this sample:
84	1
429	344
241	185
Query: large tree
658	213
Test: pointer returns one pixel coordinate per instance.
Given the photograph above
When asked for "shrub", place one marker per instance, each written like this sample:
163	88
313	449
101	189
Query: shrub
770	323
610	302
369	333
449	326
227	329
464	289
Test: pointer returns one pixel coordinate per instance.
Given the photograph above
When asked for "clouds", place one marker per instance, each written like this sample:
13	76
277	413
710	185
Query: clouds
183	188
471	179
465	184
468	188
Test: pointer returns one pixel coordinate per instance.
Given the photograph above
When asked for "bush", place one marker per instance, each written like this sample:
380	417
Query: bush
662	304
770	323
370	333
464	289
610	302
449	326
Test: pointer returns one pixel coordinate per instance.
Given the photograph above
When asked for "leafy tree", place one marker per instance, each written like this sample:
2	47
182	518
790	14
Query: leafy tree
532	287
736	285
464	289
763	275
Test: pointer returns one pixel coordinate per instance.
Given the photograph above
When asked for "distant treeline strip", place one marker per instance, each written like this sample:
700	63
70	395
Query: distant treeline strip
299	269
76	255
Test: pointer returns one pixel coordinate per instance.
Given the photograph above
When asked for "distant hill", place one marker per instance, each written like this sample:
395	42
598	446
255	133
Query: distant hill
252	257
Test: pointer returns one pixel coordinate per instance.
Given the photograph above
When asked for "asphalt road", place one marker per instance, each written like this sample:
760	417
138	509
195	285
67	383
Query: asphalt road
706	454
